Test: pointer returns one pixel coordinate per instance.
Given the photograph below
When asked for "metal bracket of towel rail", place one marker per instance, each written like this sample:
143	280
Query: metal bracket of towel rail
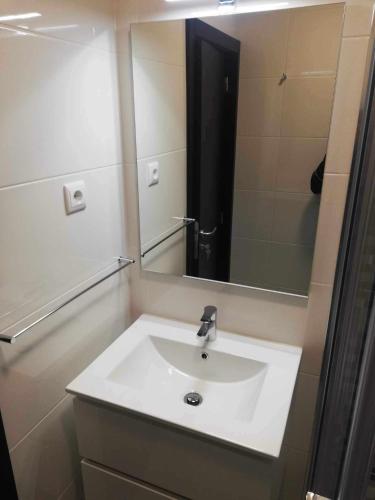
186	222
10	339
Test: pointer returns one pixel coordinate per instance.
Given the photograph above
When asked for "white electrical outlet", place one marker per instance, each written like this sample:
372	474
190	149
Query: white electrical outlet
153	173
75	196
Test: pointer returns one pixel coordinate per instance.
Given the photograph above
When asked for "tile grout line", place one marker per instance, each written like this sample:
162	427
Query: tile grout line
30	32
59	176
47	415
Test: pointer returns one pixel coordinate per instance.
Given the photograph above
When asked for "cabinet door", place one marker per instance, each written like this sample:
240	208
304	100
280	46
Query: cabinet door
102	483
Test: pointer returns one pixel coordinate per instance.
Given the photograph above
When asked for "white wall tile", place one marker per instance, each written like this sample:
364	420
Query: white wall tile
298	159
159	92
85	21
307	106
63	110
47	459
256	162
46	252
314	40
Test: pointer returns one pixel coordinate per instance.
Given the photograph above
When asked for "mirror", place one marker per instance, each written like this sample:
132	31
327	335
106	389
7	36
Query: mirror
232	118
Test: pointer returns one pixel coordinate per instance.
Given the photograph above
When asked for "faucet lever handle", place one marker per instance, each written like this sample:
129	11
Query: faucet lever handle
208	313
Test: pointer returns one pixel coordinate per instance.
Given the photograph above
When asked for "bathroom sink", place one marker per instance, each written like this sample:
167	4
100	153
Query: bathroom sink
236	388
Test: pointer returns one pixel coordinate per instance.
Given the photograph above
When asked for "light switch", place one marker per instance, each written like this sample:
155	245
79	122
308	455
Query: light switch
153	173
74	196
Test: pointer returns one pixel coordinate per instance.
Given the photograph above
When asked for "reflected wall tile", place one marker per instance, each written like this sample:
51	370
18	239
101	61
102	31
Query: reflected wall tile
298	159
159	92
295	218
307	107
256	160
253	214
249	262
314	40
290	267
259	113
163	42
163	201
263	38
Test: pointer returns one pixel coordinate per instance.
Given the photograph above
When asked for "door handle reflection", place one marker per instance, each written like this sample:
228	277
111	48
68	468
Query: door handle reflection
208	233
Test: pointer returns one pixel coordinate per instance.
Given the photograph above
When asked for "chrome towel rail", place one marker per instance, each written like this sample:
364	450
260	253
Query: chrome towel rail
10	339
185	222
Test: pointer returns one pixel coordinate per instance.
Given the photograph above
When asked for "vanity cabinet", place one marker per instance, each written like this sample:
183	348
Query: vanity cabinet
100	483
131	457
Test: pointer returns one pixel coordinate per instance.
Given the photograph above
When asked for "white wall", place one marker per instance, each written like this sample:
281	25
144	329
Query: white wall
159	71
59	122
253	312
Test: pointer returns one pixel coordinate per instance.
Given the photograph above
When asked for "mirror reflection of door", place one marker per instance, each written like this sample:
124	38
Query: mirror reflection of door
212	83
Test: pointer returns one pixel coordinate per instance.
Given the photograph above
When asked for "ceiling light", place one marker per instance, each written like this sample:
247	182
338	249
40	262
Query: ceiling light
16	17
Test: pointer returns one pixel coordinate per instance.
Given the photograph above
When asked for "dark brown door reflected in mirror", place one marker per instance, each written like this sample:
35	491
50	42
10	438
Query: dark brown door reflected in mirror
212	95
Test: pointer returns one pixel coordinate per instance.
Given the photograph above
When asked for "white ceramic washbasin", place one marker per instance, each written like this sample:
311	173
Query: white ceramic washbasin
246	384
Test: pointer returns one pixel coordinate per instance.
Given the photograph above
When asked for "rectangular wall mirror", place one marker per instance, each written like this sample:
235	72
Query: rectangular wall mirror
232	119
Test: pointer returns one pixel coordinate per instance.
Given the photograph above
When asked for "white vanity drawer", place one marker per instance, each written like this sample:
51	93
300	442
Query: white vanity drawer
173	460
102	484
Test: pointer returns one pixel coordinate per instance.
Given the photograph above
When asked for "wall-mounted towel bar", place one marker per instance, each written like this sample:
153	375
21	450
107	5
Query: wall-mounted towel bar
10	339
185	222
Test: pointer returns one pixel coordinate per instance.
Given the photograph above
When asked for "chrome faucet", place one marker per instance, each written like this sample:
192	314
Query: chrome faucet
208	327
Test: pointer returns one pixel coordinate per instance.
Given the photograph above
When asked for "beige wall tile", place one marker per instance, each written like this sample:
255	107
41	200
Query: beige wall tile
159	92
253	214
169	257
316	328
301	418
256	161
295	218
347	104
259	112
295	471
298	158
314	40
329	228
161	42
307	106
358	17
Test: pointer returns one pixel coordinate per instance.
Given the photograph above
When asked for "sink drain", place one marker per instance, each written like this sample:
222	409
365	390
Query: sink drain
193	398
